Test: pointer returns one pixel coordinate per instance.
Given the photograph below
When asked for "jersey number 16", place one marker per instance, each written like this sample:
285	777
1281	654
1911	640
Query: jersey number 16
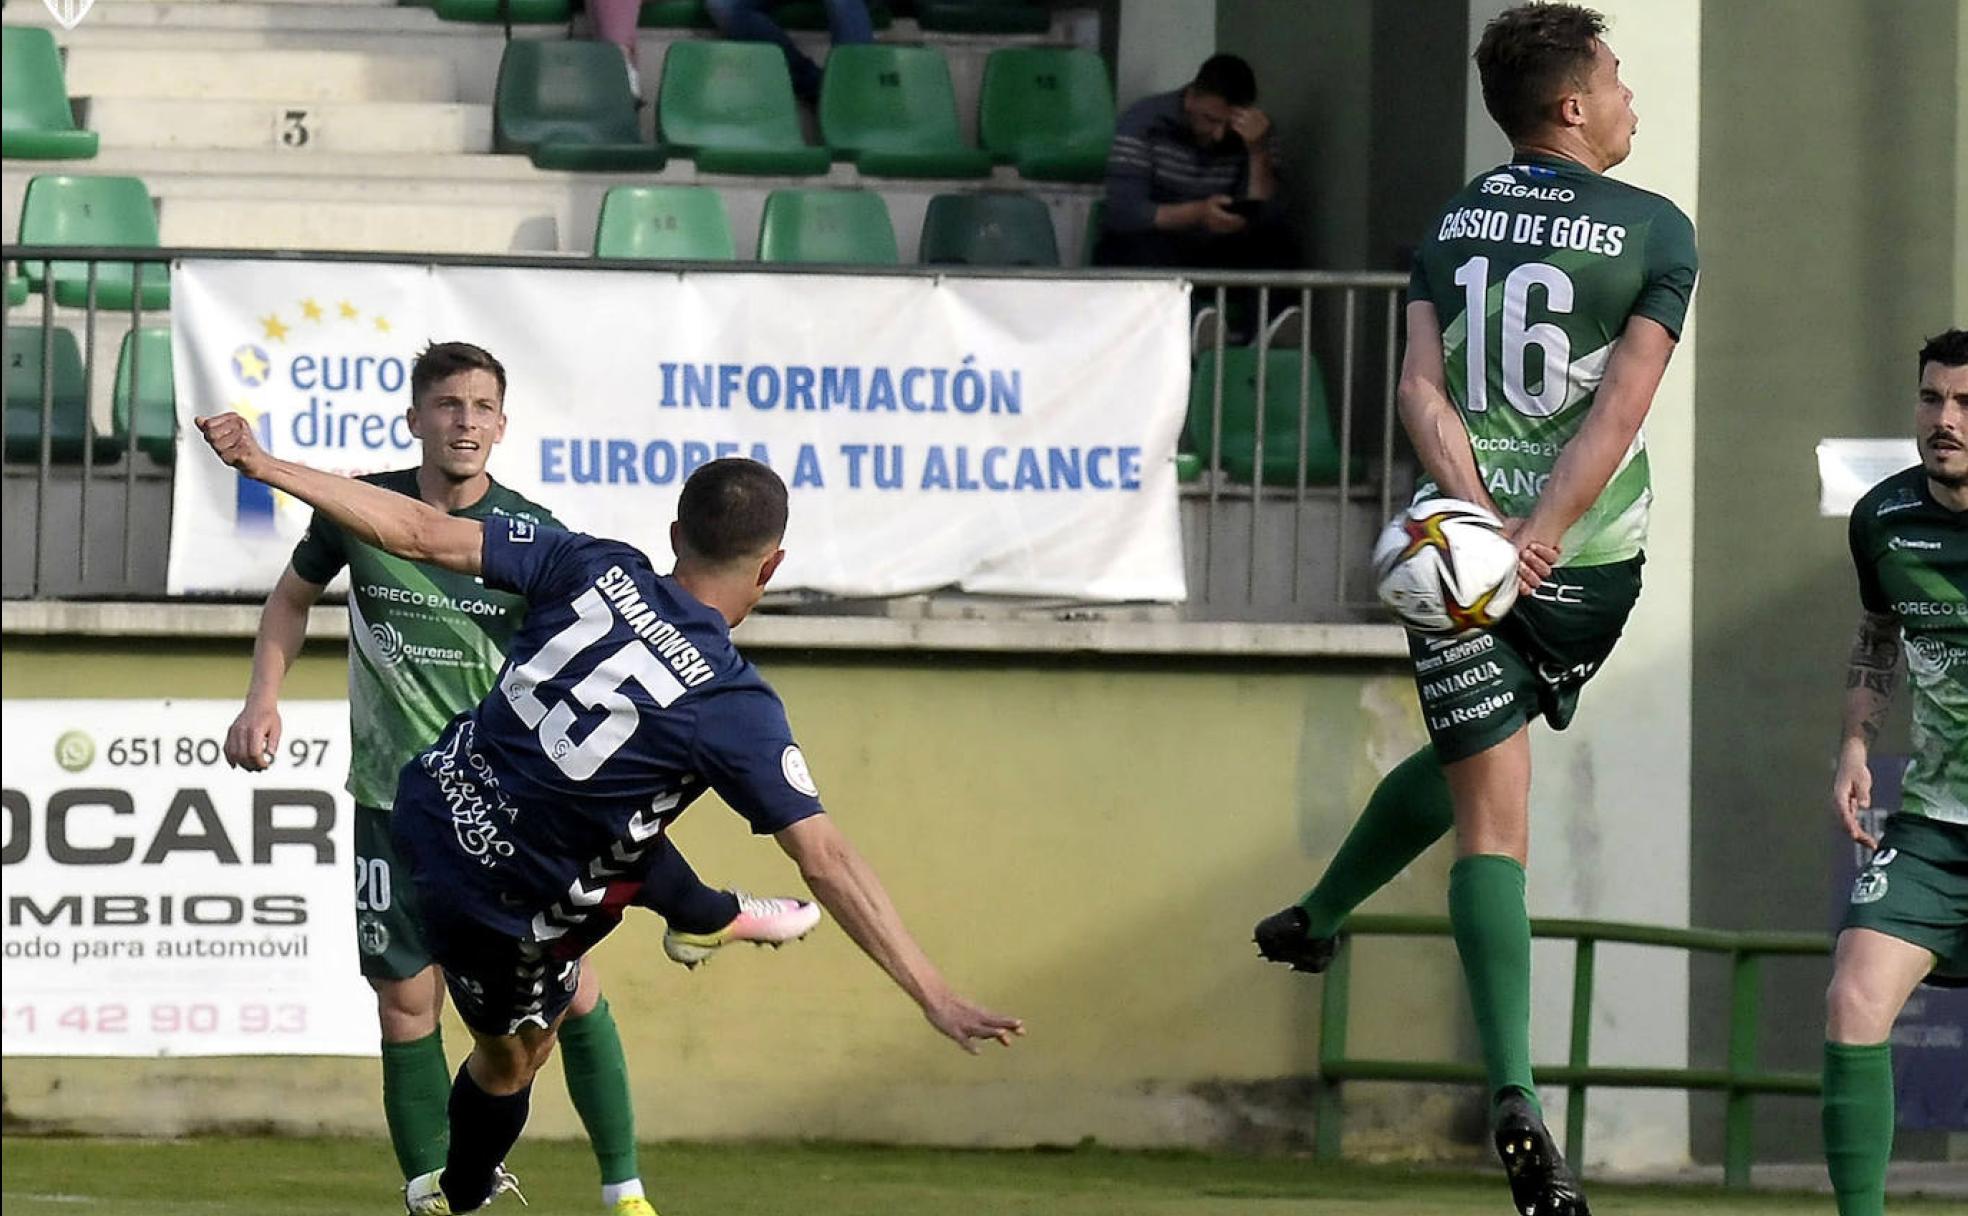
1473	277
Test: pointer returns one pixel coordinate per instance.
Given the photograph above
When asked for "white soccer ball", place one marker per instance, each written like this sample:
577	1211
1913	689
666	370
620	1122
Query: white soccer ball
1444	566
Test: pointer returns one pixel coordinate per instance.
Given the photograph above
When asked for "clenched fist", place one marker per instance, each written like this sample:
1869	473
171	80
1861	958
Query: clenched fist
233	440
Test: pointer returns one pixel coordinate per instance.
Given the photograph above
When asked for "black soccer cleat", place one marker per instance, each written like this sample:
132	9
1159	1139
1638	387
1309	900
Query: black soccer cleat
1541	1184
1283	937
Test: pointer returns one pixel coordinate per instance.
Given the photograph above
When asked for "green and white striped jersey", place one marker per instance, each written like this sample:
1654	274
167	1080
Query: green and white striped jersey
1912	557
1534	270
425	644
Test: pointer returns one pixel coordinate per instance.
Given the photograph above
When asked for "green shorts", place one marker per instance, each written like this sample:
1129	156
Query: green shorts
387	937
1916	889
1479	690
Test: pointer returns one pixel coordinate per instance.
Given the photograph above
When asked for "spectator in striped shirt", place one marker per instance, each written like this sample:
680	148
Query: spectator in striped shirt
1192	179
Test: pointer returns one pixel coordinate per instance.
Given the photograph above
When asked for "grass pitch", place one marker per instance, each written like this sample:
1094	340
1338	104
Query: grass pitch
250	1177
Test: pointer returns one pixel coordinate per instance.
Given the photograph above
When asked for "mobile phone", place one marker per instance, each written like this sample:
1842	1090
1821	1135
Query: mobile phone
1249	208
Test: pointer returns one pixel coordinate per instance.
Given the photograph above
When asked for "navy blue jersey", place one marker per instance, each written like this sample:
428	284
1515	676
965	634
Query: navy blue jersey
622	700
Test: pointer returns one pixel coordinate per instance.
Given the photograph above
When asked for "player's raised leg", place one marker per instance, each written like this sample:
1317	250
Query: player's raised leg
702	920
1872	977
1409	811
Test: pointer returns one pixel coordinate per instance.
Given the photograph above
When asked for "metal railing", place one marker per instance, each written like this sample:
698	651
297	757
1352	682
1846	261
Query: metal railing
1739	1080
1264	539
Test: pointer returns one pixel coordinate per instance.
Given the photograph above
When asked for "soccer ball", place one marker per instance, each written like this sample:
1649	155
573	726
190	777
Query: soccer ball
1444	566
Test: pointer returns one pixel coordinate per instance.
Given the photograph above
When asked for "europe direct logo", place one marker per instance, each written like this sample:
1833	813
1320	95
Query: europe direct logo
325	384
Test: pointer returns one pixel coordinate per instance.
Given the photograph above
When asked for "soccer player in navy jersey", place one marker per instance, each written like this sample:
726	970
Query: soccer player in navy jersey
529	821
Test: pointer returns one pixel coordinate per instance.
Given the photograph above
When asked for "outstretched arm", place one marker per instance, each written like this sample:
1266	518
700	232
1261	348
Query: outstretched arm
1869	680
392	522
847	887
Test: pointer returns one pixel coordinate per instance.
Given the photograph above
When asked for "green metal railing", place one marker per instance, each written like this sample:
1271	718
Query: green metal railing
1740	1080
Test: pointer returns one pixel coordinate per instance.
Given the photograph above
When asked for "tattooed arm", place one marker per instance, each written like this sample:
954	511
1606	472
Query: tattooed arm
1869	679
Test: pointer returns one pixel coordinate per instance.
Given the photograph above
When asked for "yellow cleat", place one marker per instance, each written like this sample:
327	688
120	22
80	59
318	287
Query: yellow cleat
632	1205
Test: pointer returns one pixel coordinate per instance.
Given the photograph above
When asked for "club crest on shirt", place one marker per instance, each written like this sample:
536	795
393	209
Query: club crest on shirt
793	764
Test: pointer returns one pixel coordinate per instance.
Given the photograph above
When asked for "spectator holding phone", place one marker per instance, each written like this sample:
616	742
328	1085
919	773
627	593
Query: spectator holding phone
1192	179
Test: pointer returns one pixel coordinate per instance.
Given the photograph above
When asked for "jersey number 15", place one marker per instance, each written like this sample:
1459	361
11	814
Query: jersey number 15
600	690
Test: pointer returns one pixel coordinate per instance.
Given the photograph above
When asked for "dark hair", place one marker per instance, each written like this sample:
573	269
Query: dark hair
731	508
441	359
1949	349
1228	77
1531	54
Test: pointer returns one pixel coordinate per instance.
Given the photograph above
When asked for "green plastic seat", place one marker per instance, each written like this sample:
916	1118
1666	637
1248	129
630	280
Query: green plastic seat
518	12
1188	468
845	226
69	422
983	16
567	105
146	355
61	209
1049	111
673	14
994	228
16	287
36	122
893	112
729	105
676	223
1238	457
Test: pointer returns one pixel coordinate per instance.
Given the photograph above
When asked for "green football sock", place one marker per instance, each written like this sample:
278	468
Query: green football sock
1858	1124
1410	809
1493	937
598	1081
416	1095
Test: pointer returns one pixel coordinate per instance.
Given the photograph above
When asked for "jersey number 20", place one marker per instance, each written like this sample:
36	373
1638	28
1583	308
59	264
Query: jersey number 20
1473	277
600	690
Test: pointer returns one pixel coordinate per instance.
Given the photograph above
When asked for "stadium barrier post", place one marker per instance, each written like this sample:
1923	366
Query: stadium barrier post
1745	984
1581	1056
1330	1111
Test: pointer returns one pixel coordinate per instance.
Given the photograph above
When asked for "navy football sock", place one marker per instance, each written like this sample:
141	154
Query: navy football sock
673	889
483	1130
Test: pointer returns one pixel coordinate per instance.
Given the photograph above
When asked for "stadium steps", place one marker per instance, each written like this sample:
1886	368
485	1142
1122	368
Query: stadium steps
427	188
167	29
278	77
430	128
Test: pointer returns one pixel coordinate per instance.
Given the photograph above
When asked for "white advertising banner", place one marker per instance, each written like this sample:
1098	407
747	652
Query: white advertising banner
1847	468
994	435
161	903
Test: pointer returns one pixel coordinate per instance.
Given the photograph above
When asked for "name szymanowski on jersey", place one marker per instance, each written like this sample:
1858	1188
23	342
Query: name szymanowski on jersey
1534	270
1912	558
424	643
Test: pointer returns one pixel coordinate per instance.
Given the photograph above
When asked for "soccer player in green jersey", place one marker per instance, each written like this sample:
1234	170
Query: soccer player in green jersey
425	645
1544	306
1908	919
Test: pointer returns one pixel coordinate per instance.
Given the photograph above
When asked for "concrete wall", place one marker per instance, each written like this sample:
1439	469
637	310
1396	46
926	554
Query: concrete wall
1083	843
1832	241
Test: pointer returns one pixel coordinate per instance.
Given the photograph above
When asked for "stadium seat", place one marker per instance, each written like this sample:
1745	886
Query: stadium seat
1188	467
70	210
16	287
680	223
499	12
846	226
36	122
729	106
994	228
893	112
1049	111
567	105
69	421
983	16
1238	456
154	400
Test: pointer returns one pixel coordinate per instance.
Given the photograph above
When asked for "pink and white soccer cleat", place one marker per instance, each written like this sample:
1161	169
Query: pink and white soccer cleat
764	922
